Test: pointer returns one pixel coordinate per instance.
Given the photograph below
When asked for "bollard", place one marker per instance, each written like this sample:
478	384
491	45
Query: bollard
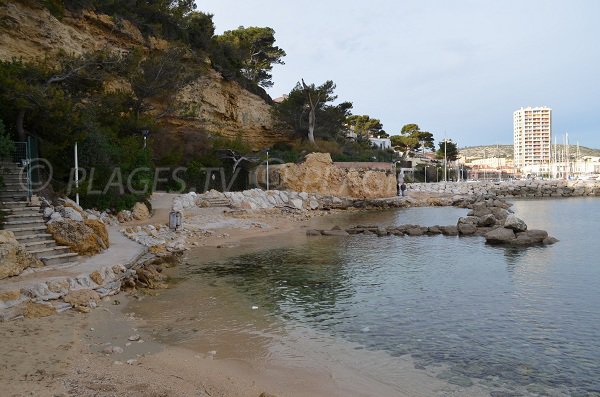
175	220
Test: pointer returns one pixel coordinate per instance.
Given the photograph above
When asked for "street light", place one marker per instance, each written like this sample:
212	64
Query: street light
267	150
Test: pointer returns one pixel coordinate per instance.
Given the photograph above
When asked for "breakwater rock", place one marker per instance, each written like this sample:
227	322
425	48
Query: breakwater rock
488	217
532	188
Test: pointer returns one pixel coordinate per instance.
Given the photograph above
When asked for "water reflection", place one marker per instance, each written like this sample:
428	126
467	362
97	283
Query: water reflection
520	319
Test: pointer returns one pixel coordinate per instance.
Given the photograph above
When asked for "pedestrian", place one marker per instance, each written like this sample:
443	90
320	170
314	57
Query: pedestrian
402	188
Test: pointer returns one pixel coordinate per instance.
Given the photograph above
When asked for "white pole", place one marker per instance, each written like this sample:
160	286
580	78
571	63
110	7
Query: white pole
267	170
445	161
425	174
76	176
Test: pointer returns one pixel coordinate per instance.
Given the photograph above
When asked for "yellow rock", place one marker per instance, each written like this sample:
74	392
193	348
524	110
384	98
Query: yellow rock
318	174
81	297
10	295
35	310
140	212
14	258
97	277
87	238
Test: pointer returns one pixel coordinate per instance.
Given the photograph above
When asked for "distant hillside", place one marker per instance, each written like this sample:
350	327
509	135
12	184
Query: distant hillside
507	151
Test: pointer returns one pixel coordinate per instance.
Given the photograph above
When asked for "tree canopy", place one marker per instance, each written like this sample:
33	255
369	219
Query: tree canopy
450	148
417	139
256	52
329	120
412	139
366	127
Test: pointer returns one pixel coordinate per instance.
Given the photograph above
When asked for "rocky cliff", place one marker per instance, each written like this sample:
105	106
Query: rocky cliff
318	174
209	104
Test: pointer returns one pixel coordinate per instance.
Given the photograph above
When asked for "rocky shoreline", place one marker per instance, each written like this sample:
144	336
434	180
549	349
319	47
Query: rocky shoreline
489	217
531	188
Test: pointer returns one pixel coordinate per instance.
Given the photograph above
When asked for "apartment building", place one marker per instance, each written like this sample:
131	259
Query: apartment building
532	136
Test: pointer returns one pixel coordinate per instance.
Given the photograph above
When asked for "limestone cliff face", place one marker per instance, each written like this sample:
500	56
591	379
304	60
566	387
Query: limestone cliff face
318	174
220	106
209	104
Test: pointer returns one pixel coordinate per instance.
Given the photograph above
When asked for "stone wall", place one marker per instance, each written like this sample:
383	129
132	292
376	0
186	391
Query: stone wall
318	174
526	188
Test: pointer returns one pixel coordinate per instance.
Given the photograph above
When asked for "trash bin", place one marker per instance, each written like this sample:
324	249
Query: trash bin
175	220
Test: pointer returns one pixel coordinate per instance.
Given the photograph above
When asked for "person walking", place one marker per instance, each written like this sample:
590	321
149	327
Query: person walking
402	188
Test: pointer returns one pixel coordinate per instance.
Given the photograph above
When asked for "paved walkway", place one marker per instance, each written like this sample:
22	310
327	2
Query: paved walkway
122	251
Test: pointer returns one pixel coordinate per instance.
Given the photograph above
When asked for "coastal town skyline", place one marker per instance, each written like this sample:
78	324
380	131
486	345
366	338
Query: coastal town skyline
457	70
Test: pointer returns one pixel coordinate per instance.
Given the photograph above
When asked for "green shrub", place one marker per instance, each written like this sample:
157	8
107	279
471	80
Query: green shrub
7	145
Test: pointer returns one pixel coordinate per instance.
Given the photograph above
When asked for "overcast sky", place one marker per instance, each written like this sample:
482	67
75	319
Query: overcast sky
458	67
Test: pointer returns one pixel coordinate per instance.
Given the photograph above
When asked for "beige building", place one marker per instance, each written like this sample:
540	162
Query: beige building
532	136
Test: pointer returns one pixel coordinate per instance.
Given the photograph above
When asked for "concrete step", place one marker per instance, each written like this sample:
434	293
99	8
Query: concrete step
4	192
12	171
34	238
10	204
33	216
13	178
60	259
218	202
13	197
14	185
21	210
25	231
50	252
10	225
38	245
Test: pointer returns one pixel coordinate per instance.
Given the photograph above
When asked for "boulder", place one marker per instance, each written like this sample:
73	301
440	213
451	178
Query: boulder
468	220
514	223
140	212
82	297
125	216
415	231
500	236
486	220
78	236
550	240
14	258
71	213
335	233
530	237
449	230
100	228
466	229
36	310
432	230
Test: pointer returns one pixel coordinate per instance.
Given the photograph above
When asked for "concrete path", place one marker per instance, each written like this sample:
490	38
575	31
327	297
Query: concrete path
122	251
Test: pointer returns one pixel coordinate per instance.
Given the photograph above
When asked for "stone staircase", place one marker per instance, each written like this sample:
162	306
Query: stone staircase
26	221
217	202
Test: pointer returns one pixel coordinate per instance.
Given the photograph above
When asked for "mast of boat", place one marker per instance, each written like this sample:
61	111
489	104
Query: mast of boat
577	156
568	160
554	156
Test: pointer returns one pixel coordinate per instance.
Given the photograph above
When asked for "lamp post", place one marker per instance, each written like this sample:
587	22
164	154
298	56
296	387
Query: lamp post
425	174
445	162
76	175
267	168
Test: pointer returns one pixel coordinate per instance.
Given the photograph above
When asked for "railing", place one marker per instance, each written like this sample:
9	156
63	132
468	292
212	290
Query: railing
22	155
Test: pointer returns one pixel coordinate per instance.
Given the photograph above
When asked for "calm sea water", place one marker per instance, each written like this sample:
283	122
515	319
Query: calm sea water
521	320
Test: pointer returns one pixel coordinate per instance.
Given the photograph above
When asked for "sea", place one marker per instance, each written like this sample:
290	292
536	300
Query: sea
508	321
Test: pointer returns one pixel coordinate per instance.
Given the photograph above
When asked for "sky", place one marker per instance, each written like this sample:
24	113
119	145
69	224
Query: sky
456	68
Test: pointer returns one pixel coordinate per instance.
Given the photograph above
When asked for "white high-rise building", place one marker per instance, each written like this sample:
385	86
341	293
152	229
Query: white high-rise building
532	136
